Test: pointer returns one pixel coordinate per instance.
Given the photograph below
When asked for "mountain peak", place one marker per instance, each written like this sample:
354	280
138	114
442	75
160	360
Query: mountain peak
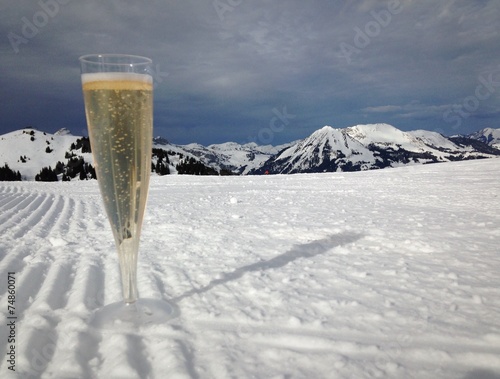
160	141
371	146
489	136
329	149
326	134
371	129
326	128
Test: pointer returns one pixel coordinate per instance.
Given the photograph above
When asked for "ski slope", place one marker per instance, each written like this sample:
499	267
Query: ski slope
377	274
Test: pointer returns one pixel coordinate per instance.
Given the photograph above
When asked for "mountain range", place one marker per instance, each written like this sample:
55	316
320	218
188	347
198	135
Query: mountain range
375	146
63	156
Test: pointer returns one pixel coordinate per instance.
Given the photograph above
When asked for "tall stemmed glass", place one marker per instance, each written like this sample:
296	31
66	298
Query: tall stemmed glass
118	96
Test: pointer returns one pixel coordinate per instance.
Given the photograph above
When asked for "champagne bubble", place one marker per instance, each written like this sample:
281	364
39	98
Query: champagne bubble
119	115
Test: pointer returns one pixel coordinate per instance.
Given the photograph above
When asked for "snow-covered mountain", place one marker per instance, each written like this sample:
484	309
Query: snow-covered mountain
229	157
28	151
365	147
360	147
489	136
233	156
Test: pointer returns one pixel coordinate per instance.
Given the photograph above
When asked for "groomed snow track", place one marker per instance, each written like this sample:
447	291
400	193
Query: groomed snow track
379	274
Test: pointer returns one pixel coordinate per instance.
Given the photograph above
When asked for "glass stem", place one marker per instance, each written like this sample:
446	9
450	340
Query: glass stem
127	253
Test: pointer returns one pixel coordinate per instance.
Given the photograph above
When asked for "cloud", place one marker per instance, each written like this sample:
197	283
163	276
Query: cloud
413	109
383	109
225	69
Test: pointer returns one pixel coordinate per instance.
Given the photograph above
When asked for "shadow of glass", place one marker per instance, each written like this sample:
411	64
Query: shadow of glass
482	374
307	250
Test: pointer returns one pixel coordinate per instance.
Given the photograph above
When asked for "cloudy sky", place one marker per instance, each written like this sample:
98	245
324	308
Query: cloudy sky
269	71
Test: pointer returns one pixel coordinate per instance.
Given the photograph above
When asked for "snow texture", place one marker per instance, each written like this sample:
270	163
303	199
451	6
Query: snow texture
376	274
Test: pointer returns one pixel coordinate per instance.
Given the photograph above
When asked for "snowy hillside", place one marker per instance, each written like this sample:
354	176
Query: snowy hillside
317	151
233	156
385	135
373	274
489	136
365	147
29	150
360	147
425	139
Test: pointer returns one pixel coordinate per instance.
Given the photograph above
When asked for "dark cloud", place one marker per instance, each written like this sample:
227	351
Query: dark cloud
224	68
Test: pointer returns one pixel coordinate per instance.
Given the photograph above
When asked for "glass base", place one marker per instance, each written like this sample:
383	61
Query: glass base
143	312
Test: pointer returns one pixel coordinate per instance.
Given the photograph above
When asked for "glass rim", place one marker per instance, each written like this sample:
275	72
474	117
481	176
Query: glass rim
140	59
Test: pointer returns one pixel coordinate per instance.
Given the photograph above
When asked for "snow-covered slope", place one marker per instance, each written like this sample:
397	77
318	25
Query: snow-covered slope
360	147
230	156
433	140
26	151
29	150
385	135
376	274
488	135
243	158
364	147
317	151
233	156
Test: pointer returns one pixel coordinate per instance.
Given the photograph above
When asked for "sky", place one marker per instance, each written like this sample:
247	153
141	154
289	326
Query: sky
264	71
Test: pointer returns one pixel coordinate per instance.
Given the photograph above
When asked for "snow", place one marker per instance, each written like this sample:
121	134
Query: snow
434	139
31	144
376	274
488	135
360	146
327	140
384	134
231	154
26	150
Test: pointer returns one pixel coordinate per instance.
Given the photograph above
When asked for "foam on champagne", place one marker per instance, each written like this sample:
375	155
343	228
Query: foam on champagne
117	81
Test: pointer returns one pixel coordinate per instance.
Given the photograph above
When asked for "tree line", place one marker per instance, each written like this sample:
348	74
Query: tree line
76	167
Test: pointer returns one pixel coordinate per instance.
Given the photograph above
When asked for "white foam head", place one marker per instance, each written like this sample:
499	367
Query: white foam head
116	76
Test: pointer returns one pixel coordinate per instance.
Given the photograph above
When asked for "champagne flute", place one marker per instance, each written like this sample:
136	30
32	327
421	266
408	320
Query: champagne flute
118	97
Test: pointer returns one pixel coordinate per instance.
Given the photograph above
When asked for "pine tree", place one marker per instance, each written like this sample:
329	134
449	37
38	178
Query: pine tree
46	175
6	174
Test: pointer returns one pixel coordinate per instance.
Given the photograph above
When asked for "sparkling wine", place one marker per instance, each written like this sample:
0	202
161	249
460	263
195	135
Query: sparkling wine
119	113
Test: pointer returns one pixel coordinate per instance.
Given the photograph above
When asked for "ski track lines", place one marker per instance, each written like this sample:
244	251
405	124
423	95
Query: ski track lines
61	278
35	213
50	279
60	283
